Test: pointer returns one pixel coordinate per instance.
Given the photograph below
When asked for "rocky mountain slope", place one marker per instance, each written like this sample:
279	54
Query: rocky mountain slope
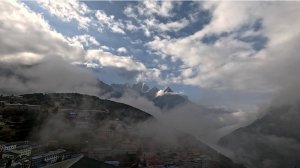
164	99
271	141
102	128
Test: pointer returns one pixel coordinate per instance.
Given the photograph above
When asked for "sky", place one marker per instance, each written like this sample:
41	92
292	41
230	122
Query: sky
234	54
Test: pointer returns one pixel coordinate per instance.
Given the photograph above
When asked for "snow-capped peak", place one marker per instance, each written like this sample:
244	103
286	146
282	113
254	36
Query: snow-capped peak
164	91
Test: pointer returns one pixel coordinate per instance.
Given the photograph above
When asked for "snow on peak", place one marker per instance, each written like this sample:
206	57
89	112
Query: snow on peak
167	90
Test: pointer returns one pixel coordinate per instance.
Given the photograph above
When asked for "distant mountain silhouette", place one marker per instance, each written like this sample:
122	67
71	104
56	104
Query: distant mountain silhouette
164	99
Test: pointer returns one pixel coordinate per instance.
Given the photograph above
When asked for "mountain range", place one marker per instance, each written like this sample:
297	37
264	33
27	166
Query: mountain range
90	124
165	98
271	141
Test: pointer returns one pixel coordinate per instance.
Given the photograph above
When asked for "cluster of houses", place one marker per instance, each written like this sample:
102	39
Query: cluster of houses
155	160
22	154
110	136
16	103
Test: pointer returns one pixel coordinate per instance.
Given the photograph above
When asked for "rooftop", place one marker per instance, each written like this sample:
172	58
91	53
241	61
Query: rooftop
90	163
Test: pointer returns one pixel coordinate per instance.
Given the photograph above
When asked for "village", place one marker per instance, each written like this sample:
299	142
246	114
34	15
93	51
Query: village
113	142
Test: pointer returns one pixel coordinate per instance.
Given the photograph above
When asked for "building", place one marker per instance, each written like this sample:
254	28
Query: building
2	145
9	147
13	159
37	148
24	150
15	106
33	107
52	157
14	145
205	161
19	106
9	155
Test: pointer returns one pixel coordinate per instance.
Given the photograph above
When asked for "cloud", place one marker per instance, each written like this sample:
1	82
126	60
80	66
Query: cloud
35	58
150	8
209	125
124	65
156	25
75	10
109	22
122	50
104	47
146	15
173	26
85	40
230	61
108	59
39	38
68	11
31	62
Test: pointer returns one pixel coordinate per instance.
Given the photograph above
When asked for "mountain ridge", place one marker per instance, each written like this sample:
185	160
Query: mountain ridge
164	98
273	132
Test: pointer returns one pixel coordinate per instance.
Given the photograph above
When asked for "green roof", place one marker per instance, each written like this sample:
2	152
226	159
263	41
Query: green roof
90	163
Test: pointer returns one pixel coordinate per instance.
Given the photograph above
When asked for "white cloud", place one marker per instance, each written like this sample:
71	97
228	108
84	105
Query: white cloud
106	48
150	8
122	50
85	40
231	62
42	60
146	13
37	58
124	63
161	8
110	22
39	38
68	11
108	59
173	26
80	12
26	58
130	26
156	25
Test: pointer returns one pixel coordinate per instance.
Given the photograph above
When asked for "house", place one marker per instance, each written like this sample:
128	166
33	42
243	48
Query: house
13	145
15	106
46	158
2	145
53	157
9	155
33	107
24	150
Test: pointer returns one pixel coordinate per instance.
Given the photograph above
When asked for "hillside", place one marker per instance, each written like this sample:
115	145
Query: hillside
271	141
78	101
104	130
21	115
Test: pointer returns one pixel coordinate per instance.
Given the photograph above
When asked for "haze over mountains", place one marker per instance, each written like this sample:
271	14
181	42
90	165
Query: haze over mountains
268	139
222	54
275	137
272	141
99	128
165	98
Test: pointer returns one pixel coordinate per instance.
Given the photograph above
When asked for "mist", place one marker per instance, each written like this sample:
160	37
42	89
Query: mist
209	125
49	75
251	56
